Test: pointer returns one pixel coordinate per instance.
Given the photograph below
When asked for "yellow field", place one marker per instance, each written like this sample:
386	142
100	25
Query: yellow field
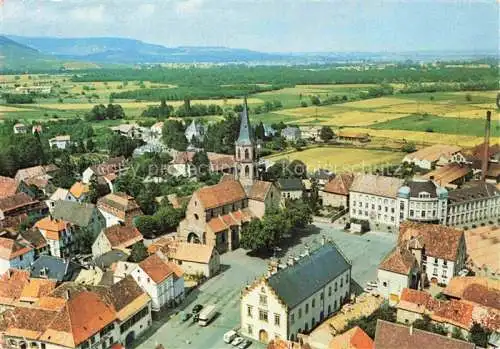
431	108
423	137
137	105
489	94
4	108
342	159
377	102
470	114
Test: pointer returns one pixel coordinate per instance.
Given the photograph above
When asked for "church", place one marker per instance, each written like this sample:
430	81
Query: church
216	214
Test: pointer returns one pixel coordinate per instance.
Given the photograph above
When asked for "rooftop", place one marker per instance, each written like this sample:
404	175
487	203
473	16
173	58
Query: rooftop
480	290
78	189
355	338
377	185
186	251
158	269
340	185
11	249
74	212
54	268
473	191
448	173
259	189
483	244
399	260
220	194
290	184
15	201
8	186
245	135
122	236
434	152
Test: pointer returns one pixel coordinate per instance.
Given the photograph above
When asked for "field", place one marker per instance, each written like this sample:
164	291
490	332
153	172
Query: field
342	159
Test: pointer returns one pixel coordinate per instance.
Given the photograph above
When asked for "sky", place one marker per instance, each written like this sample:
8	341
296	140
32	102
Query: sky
267	25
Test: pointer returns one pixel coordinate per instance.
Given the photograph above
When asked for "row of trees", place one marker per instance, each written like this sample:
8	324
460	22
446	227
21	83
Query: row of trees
101	112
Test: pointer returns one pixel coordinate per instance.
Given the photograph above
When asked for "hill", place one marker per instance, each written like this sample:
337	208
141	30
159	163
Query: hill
16	57
130	51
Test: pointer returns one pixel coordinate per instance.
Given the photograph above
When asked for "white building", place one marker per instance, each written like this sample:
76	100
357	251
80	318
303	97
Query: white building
156	130
59	194
58	234
290	188
435	155
195	131
295	298
163	281
422	201
374	199
20	128
291	133
60	142
116	237
78	192
15	255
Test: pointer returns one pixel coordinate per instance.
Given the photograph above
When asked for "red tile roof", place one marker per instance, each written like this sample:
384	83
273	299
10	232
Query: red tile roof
122	236
8	186
340	184
220	194
15	201
259	190
12	284
157	269
438	240
454	312
355	338
400	261
10	249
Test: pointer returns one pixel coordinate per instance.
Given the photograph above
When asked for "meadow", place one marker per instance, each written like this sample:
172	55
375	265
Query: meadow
342	159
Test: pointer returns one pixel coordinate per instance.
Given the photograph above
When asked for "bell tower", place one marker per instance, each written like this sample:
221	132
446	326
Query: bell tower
245	151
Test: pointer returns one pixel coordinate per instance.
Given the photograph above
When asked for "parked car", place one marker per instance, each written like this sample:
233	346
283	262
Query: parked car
372	284
197	308
185	316
237	341
245	344
196	317
229	336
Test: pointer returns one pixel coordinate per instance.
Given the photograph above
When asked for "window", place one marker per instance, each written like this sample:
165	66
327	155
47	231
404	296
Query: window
435	271
423	213
249	329
341	282
292	319
347	278
313	304
307	308
249	310
300	313
262	299
384	284
43	345
321	296
335	286
276	319
329	291
262	315
444	263
196	216
412	213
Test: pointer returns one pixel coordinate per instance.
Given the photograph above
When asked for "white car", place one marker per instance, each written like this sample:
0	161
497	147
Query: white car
237	341
372	284
229	336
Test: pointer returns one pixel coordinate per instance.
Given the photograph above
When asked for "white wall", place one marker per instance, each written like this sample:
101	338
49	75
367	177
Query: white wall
101	245
390	285
110	219
376	209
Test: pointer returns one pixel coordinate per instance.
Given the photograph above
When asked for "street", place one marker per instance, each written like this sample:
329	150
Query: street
238	269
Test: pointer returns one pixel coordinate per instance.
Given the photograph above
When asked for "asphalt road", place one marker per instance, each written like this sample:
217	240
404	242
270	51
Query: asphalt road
223	290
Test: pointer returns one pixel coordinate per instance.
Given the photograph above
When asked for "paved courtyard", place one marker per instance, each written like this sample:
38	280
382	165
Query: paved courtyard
364	251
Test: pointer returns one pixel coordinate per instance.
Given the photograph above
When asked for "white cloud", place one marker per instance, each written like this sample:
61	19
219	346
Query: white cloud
188	7
88	13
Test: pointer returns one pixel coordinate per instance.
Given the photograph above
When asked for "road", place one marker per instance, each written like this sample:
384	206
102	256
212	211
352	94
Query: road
223	290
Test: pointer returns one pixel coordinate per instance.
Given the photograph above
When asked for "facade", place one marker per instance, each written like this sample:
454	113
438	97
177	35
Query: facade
156	130
15	255
60	142
118	208
473	203
312	133
374	199
195	131
422	200
58	234
290	189
291	133
57	195
107	171
80	215
20	128
246	167
335	192
161	280
116	237
129	130
19	205
435	156
182	164
78	192
261	196
295	298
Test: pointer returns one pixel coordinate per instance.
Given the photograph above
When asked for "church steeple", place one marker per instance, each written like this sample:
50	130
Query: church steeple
245	151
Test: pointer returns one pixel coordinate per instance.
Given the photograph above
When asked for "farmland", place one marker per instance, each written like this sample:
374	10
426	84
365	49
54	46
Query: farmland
342	159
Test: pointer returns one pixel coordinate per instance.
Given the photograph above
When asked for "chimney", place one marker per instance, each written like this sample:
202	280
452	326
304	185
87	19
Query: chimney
323	240
411	330
486	148
67	294
306	250
291	261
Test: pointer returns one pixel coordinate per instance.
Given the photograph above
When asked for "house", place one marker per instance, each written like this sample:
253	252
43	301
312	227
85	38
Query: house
54	268
8	186
483	244
60	142
336	191
57	195
261	196
479	290
355	338
182	164
290	188
163	281
439	250
215	215
36	171
32	237
118	208
20	128
435	156
19	206
397	271
73	316
310	132
107	260
473	203
421	200
194	130
129	130
58	234
373	198
450	175
151	147
291	133
293	299
78	192
352	136
107	171
15	255
37	129
269	131
116	237
194	259
389	335
156	130
80	216
322	176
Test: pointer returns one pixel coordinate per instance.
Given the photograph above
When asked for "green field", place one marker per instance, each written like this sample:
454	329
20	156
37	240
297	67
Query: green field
449	125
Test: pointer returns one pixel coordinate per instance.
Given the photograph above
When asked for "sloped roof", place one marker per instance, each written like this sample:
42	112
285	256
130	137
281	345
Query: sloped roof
10	249
220	194
483	244
15	201
122	236
355	338
12	284
245	135
290	184
438	240
448	173
157	269
48	223
377	185
74	212
110	166
122	202
8	186
55	268
480	290
473	191
34	238
389	335
59	194
298	282
78	189
35	171
36	288
340	184
399	260
259	190
434	152
185	251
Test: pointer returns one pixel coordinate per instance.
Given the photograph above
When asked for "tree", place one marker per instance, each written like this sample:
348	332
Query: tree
146	200
119	145
169	217
259	131
298	213
315	100
90	146
457	334
265	233
326	133
138	253
84	238
147	225
479	335
201	164
96	190
173	135
369	323
296	169
409	147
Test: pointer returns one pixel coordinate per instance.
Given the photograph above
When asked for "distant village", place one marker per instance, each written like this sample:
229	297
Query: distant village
86	267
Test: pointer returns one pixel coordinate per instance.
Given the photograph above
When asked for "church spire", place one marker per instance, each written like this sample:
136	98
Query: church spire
245	136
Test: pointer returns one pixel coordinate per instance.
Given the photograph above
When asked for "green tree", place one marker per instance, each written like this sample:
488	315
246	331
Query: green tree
84	238
138	253
315	100
201	164
265	233
146	200
119	145
147	225
326	133
369	323
259	131
296	169
457	334
173	135
298	213
479	335
409	147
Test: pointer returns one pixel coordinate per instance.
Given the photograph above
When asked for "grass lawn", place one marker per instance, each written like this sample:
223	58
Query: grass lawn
449	125
342	159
